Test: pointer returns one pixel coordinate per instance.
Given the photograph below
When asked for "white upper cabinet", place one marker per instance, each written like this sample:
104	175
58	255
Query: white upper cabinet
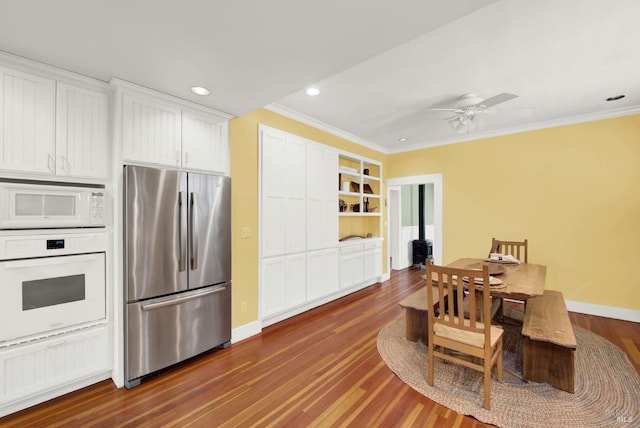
151	131
161	130
53	127
27	122
205	142
82	146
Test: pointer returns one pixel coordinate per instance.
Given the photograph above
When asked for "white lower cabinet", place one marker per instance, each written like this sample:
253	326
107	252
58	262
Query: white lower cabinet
33	373
283	280
351	266
372	261
322	273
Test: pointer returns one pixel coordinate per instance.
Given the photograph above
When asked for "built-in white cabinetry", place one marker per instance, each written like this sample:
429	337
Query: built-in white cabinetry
82	143
302	263
51	127
28	118
351	265
36	372
322	273
157	129
372	260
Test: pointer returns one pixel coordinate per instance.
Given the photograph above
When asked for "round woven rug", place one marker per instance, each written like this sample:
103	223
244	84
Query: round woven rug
607	386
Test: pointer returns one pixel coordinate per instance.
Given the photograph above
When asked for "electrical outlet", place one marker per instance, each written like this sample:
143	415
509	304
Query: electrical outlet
245	232
243	307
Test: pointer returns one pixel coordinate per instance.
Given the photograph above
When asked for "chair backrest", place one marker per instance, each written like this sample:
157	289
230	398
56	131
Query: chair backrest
454	282
518	249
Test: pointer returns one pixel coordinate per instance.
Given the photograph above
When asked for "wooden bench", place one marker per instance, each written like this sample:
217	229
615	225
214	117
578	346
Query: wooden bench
416	313
548	341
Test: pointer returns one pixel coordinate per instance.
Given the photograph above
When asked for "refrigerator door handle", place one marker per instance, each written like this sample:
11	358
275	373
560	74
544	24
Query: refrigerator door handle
194	232
182	225
178	300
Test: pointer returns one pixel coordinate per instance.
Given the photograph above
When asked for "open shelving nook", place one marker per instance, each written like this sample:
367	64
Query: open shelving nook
359	192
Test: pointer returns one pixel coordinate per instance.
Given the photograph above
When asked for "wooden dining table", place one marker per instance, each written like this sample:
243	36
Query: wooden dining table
521	281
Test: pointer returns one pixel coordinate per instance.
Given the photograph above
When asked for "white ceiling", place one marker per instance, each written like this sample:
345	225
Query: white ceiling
379	64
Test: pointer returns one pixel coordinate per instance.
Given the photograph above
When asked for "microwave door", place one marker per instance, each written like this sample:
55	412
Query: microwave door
155	232
209	230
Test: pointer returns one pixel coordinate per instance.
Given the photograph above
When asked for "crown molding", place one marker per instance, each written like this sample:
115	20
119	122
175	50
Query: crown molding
308	120
611	114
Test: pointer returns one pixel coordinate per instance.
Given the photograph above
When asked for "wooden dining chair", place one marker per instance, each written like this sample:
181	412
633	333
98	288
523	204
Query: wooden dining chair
471	339
518	249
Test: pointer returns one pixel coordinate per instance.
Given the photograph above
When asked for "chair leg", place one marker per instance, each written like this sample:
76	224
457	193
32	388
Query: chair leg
499	360
430	364
487	383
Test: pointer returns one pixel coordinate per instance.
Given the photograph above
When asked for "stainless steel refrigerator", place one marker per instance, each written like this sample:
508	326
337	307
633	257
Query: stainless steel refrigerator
177	260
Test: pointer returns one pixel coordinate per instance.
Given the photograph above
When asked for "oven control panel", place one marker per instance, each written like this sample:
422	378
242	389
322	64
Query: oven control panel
27	246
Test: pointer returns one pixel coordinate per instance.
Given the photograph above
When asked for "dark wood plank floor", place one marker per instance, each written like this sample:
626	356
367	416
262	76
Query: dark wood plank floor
321	368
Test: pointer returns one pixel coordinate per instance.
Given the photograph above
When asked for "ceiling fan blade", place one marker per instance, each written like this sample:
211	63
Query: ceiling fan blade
497	99
457	110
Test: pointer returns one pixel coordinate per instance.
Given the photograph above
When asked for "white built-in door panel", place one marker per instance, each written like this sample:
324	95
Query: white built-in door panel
315	283
274	298
82	119
330	272
27	115
273	192
151	131
295	177
41	366
358	268
205	143
315	197
296	279
372	261
351	266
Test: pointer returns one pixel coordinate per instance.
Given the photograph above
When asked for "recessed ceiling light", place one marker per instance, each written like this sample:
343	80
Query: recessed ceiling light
199	90
403	139
616	98
313	91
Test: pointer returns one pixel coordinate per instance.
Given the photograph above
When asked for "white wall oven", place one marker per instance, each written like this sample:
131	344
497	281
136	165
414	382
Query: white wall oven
51	283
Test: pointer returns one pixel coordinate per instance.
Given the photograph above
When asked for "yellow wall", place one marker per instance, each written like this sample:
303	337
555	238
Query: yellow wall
243	136
572	191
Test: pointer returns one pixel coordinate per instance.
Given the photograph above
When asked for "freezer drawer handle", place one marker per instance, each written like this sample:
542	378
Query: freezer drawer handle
152	306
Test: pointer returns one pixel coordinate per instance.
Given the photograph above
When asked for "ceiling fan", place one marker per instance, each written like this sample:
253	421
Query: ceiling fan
468	106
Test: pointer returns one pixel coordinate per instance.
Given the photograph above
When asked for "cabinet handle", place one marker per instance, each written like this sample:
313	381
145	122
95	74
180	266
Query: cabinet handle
178	157
63	164
51	163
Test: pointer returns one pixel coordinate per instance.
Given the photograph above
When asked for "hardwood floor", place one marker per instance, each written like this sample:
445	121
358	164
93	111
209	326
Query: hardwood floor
321	368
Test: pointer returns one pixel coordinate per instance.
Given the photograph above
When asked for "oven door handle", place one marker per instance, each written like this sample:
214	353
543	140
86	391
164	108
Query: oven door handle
178	300
47	261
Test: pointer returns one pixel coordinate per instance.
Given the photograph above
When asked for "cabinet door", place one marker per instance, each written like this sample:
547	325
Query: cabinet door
205	143
372	261
273	285
151	131
81	132
330	197
273	191
315	266
27	106
330	271
315	198
296	206
296	284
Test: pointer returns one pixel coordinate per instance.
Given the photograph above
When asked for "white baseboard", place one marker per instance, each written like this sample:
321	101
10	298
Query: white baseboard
603	311
385	277
245	331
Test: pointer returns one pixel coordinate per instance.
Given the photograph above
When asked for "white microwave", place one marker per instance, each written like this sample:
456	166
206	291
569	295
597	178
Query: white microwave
28	204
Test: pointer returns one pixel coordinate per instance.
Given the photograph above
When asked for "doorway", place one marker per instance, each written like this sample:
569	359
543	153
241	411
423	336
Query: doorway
400	236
